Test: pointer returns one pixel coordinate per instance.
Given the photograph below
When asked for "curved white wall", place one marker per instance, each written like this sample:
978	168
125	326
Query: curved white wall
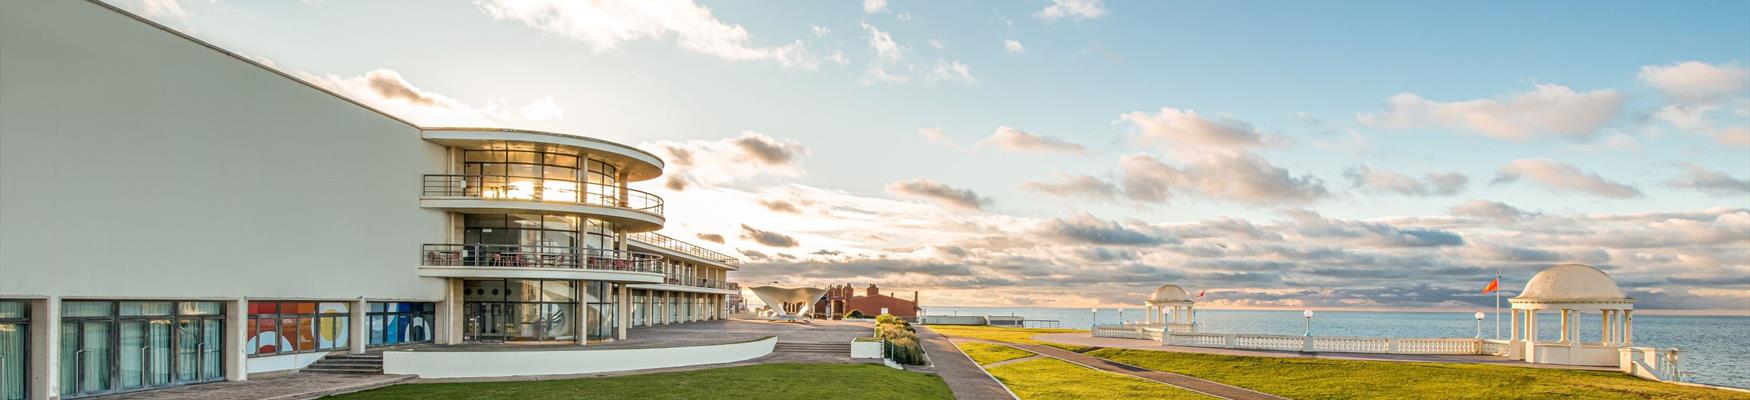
477	364
135	163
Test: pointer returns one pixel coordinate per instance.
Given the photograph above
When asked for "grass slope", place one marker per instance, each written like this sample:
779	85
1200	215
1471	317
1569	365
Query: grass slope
1011	335
766	381
987	353
1049	378
1301	378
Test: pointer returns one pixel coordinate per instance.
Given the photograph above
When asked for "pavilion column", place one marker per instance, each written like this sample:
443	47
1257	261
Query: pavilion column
1628	327
1574	337
1604	328
1563	337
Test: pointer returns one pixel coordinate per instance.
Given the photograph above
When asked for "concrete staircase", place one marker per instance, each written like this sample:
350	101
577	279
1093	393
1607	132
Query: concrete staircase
368	364
814	348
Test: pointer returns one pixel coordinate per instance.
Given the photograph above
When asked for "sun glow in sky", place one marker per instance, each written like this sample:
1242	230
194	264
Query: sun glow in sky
1081	152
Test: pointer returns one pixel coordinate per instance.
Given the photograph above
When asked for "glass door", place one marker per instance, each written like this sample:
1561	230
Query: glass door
197	352
144	353
85	358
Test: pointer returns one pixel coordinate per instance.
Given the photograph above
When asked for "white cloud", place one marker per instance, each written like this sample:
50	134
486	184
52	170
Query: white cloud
1239	177
1694	82
1072	9
937	43
873	6
1019	141
386	90
950	71
1489	210
1383	181
1546	111
1076	186
541	110
1561	177
1708	181
163	8
1175	127
937	136
878	74
604	25
885	48
728	160
1013	46
819	31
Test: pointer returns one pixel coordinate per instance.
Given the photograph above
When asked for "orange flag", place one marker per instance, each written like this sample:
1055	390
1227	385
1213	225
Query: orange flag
1493	286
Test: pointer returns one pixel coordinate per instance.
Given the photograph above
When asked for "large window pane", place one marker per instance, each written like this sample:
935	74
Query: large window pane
558	291
86	309
12	360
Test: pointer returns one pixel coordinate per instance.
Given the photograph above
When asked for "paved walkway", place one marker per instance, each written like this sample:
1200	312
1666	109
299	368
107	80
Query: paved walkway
1082	339
1184	382
964	377
273	385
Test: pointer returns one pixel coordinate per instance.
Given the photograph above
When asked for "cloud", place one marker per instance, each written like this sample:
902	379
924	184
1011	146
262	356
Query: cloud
885	48
1711	182
1185	128
1311	224
937	136
163	8
1076	186
768	238
711	237
1012	46
1489	210
1019	141
728	160
1694	82
877	74
1241	177
951	72
1086	228
604	25
1545	111
541	110
873	6
781	206
1562	178
388	91
1382	181
819	31
939	193
1072	9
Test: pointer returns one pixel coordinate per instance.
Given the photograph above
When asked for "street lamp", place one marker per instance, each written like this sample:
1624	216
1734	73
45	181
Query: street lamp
1479	324
1120	316
1095	323
1308	314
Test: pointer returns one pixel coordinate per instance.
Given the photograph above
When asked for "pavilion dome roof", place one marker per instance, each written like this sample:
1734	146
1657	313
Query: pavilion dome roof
1169	293
1572	283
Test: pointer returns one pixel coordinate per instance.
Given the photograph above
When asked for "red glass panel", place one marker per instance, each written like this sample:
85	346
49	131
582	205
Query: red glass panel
266	341
306	333
289	334
263	307
302	308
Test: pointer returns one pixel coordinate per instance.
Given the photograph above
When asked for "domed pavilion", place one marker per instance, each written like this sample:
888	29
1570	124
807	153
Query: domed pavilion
1171	307
1571	291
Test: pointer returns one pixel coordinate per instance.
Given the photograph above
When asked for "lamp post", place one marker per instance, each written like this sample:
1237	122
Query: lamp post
1308	314
1120	316
1479	324
1094	324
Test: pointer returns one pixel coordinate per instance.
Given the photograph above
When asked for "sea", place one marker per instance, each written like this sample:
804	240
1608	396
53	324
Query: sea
1716	349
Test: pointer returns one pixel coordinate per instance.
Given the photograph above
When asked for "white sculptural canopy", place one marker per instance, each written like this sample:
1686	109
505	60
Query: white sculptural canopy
1169	294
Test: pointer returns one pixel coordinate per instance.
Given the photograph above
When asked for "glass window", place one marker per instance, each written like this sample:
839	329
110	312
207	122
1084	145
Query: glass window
86	309
140	308
285	327
200	308
393	323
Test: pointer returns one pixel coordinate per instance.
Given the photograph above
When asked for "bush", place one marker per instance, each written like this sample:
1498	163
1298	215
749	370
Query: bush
855	314
902	340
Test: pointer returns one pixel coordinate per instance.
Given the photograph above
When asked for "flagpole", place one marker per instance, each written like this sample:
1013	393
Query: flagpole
1497	303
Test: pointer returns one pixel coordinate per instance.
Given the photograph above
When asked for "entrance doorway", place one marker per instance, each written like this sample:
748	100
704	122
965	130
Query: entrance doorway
497	310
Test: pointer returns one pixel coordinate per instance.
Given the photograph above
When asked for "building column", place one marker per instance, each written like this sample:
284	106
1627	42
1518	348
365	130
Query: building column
236	335
582	295
451	322
45	340
1563	337
625	309
1628	327
1574	337
358	331
1604	328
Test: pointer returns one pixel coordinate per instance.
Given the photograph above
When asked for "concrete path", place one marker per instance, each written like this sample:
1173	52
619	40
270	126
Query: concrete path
274	386
987	367
1213	389
1082	339
964	377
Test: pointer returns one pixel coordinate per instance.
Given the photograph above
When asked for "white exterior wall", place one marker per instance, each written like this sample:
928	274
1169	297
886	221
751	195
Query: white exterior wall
135	163
476	364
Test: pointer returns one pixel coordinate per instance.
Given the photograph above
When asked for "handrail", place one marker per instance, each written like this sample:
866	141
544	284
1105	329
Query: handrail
518	256
684	247
698	282
499	187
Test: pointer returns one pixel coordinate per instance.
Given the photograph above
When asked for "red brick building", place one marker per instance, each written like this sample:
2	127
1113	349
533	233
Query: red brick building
842	299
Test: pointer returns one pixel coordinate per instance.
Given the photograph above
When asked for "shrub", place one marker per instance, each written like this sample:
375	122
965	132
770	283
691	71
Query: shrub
855	314
902	340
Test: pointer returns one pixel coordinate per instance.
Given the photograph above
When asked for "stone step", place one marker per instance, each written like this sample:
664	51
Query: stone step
342	370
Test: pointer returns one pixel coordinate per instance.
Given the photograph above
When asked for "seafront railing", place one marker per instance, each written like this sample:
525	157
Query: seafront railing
1341	344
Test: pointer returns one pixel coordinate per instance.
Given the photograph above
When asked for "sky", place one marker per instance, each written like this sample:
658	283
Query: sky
1074	153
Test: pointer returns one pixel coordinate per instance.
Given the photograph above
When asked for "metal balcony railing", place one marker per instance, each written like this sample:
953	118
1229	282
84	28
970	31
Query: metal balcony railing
514	256
498	187
683	247
699	282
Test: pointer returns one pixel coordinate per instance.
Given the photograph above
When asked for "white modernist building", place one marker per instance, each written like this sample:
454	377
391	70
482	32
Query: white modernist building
172	213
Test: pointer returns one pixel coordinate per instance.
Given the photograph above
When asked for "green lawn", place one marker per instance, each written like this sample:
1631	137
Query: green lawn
1302	378
1050	378
987	353
766	381
1011	335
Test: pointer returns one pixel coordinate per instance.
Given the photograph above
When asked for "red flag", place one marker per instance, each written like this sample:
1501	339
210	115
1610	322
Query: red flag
1493	286
1200	293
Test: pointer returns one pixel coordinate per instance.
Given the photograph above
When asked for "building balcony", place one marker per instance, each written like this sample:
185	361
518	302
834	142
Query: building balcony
698	282
682	249
635	210
639	165
542	262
